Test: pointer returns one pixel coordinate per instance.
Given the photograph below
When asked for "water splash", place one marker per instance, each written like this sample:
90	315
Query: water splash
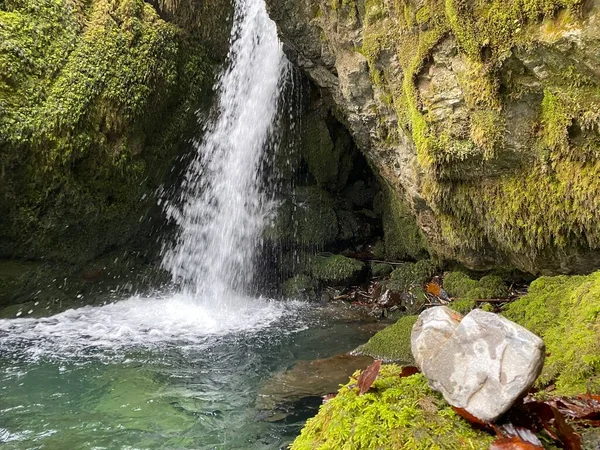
223	208
221	213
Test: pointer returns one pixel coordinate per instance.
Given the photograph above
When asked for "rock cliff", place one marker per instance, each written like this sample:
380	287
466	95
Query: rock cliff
481	117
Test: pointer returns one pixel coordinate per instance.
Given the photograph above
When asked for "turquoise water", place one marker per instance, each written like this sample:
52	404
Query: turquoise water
158	374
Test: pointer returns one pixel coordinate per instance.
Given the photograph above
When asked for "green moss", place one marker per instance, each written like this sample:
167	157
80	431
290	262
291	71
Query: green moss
392	343
381	270
395	413
460	286
84	90
336	269
565	312
409	275
299	287
403	238
463	306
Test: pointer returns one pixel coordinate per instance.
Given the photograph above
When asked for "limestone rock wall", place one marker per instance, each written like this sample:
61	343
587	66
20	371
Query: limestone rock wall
481	117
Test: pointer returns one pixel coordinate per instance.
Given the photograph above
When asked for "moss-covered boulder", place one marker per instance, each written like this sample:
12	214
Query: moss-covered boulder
459	285
381	270
307	218
402	413
565	312
300	287
392	343
94	98
336	269
410	275
402	237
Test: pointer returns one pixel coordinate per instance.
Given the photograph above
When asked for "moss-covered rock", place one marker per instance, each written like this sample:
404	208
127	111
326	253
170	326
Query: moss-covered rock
480	116
379	270
336	269
299	287
328	157
94	97
402	237
408	275
395	413
565	312
305	219
392	343
460	286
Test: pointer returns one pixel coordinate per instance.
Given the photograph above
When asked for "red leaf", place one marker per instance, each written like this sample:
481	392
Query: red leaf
513	443
583	407
553	421
408	371
368	376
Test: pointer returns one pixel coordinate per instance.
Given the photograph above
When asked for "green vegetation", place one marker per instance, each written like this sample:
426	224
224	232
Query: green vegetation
565	312
93	99
392	343
460	285
336	269
395	413
402	237
299	287
409	275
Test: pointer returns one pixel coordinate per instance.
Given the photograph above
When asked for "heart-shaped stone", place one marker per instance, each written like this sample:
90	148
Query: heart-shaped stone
481	362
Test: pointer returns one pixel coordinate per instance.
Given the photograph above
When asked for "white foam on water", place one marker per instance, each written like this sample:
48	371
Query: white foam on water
140	323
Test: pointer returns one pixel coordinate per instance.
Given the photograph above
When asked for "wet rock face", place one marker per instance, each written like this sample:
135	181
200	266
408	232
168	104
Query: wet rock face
482	362
474	120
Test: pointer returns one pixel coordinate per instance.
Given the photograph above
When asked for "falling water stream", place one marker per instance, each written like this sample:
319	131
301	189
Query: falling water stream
180	368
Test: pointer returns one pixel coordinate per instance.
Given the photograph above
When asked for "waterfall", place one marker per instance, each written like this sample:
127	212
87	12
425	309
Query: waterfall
223	208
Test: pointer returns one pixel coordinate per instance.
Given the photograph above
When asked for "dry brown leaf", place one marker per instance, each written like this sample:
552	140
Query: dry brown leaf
368	376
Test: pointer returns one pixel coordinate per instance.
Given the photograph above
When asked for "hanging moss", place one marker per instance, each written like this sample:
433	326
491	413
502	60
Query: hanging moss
395	413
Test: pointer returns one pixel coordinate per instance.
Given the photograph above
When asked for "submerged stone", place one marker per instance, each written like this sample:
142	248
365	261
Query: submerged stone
309	379
482	365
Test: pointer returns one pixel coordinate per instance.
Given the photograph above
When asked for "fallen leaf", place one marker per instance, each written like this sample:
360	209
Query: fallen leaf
368	376
513	443
436	289
582	407
408	371
537	415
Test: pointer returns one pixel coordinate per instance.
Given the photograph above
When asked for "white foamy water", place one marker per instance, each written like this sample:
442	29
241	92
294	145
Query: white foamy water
139	322
223	207
221	214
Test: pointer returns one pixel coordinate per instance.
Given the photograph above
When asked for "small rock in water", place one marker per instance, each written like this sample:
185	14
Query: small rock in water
481	363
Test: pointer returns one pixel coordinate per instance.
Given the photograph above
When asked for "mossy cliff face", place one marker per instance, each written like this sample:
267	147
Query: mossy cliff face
94	96
481	116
